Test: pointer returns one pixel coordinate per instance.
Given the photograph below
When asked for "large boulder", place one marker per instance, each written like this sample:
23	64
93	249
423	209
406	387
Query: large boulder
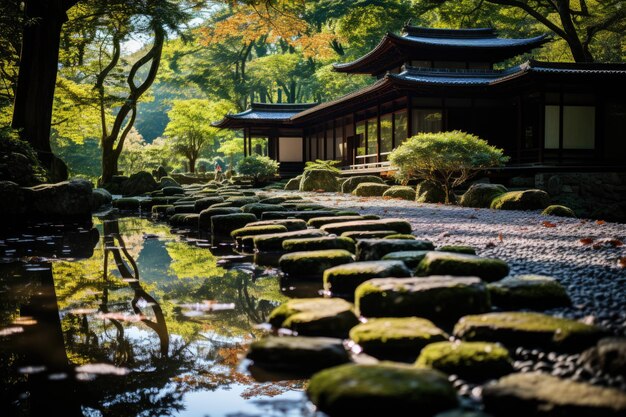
99	198
469	360
529	292
543	395
293	184
375	249
397	225
401	192
168	182
351	183
18	161
429	192
438	298
528	329
67	199
458	264
298	354
160	172
139	183
370	189
381	389
313	263
481	195
330	317
521	200
319	179
608	356
344	279
15	202
396	338
558	211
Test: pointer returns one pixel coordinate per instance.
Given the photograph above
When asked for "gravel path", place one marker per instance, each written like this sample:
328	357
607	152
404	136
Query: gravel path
590	271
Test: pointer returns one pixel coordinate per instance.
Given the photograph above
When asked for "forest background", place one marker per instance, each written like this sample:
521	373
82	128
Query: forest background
216	57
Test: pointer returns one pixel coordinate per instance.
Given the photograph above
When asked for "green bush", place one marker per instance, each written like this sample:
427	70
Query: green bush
446	158
320	164
261	168
18	161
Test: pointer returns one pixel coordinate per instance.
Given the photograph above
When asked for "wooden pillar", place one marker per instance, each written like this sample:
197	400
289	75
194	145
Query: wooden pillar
409	116
245	145
542	126
561	126
520	128
344	139
325	141
334	139
354	141
378	133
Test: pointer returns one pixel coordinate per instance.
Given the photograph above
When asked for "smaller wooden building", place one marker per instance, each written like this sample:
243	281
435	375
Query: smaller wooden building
544	115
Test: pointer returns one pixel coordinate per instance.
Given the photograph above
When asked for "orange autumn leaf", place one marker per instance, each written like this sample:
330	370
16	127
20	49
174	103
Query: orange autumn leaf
500	237
586	241
546	223
621	262
600	222
616	243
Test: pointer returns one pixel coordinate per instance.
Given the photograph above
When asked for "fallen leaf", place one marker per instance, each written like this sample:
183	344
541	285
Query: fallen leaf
600	222
320	190
586	241
621	262
597	246
546	223
500	237
490	245
616	243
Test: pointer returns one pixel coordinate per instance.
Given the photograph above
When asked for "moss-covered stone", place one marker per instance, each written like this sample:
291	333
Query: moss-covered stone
481	195
257	230
258	208
442	299
160	209
319	179
330	317
528	329
204	220
528	291
313	263
185	220
126	204
542	395
381	389
370	189
241	201
272	200
274	242
224	224
375	249
172	190
400	236
184	208
458	264
303	215
429	192
559	211
521	200
411	258
319	243
351	183
608	356
374	234
293	184
206	202
291	224
318	222
397	225
298	354
469	360
401	192
396	338
468	250
223	205
298	206
344	279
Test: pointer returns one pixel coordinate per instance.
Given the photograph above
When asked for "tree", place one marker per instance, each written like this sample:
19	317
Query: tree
190	129
579	23
447	158
261	168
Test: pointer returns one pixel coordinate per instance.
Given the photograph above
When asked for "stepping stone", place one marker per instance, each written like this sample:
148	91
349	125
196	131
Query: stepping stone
318	222
160	209
528	291
291	224
543	395
298	354
411	258
400	236
529	329
370	189
375	249
206	202
126	204
184	208
304	215
241	201
204	221
397	225
458	264
301	206
608	356
475	361
223	225
381	389
377	234
167	191
258	209
396	338
344	279
313	263
184	220
257	230
437	298
330	317
319	243
274	242
468	250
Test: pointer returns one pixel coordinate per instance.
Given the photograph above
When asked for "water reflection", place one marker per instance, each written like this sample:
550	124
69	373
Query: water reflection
147	323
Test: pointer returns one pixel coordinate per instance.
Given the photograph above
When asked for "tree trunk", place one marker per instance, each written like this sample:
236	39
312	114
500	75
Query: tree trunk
192	165
109	163
39	62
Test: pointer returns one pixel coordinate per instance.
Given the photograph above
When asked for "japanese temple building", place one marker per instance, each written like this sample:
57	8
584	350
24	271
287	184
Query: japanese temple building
543	114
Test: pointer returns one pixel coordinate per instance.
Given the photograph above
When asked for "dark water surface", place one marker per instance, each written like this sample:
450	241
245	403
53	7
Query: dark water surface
129	319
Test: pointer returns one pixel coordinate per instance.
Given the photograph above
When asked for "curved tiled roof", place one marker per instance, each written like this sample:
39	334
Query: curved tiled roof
263	112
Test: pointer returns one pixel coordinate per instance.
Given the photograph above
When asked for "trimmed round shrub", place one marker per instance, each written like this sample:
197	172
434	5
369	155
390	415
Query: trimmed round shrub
260	168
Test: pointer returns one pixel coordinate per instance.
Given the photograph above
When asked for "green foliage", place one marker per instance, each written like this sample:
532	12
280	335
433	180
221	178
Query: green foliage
330	165
18	160
446	158
261	168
